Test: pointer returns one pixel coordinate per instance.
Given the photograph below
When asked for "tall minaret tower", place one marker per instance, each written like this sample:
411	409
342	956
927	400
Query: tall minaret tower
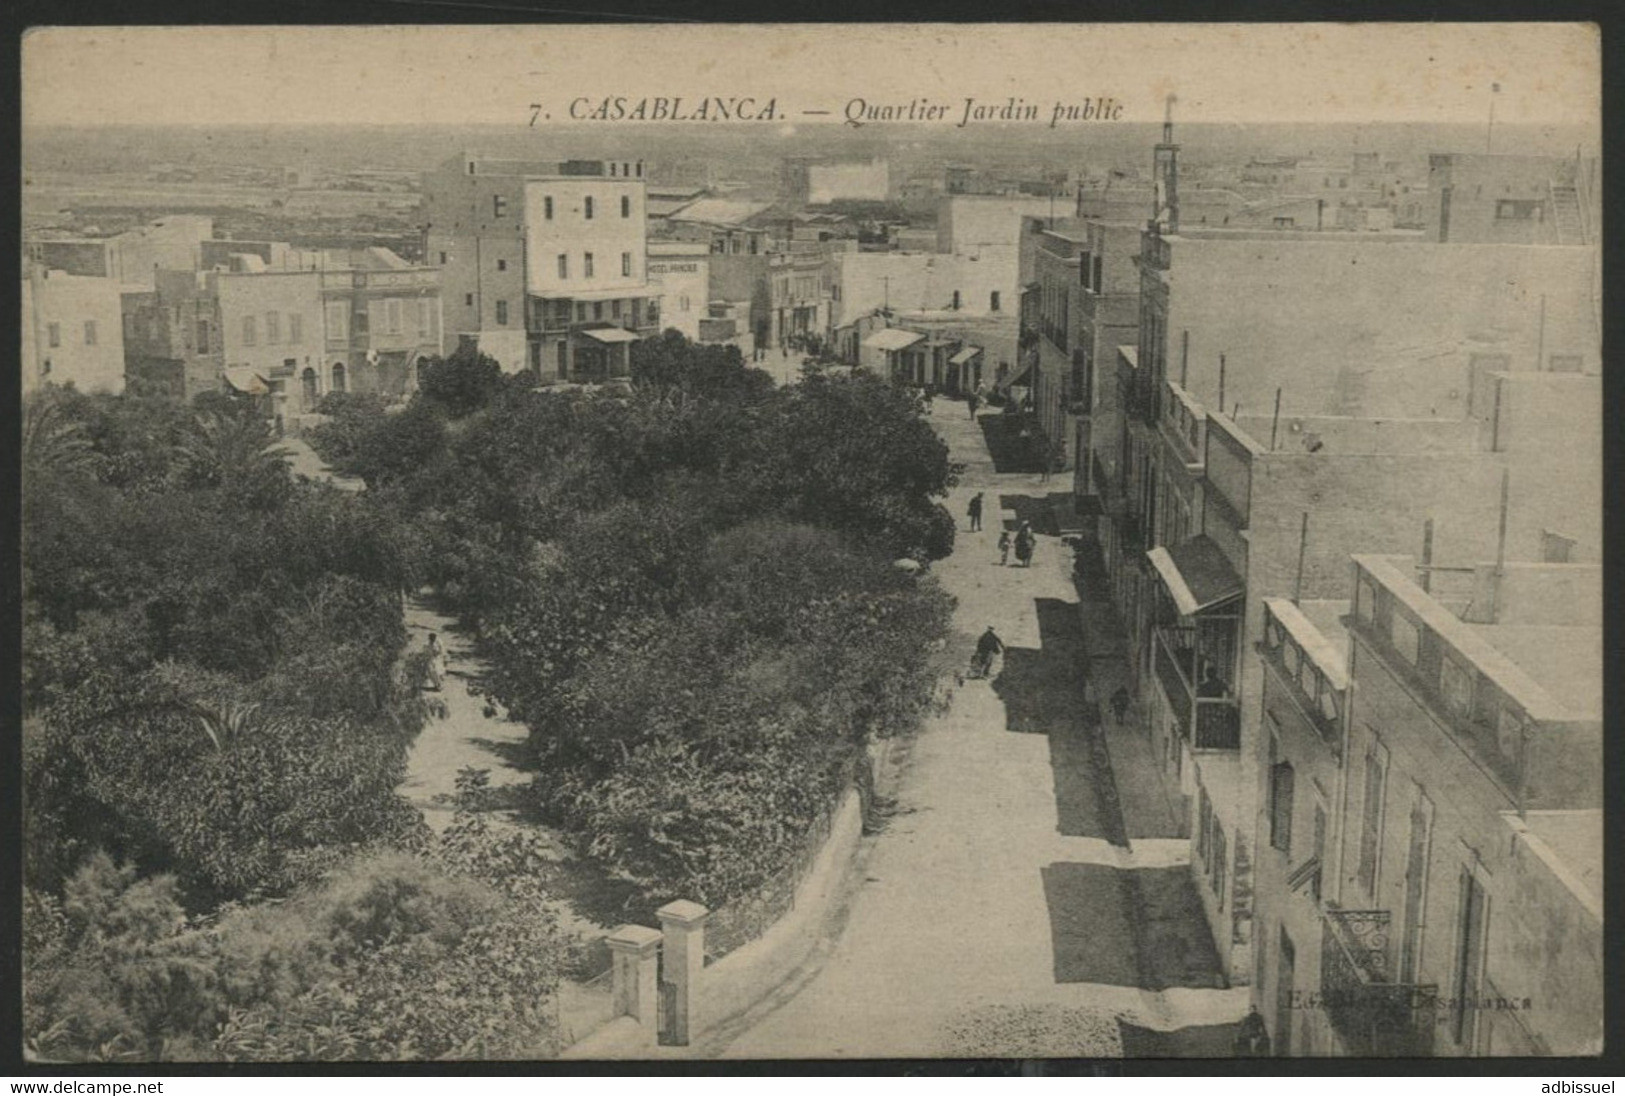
1165	176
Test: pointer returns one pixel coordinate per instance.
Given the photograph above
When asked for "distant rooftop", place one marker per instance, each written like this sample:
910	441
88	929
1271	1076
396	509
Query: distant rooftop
1188	231
1565	661
1338	435
720	211
677	247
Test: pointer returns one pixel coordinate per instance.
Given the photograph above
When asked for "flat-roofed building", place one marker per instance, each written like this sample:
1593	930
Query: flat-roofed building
1235	511
1461	913
543	262
173	242
1484	199
73	331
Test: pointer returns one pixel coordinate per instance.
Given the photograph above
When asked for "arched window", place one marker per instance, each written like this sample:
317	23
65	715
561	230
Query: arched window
338	377
309	387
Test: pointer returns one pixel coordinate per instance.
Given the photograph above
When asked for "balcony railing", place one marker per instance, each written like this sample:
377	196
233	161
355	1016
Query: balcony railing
1206	722
1374	1017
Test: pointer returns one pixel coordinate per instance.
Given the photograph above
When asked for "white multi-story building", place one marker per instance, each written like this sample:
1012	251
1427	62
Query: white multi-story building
543	263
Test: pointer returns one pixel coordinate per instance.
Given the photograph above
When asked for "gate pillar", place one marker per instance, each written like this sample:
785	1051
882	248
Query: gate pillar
635	954
683	925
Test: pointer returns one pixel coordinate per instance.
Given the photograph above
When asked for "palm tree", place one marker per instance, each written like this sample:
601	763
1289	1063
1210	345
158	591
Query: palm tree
224	722
52	440
234	453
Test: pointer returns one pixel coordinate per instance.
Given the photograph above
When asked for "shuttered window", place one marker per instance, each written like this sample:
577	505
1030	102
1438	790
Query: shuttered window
1281	781
1370	822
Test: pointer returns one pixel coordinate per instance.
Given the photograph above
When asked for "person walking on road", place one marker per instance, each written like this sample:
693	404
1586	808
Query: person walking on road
973	403
975	511
435	672
1004	548
1024	544
1120	703
1252	1037
987	648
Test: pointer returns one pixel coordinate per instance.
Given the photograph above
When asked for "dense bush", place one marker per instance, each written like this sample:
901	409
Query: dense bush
460	383
211	673
687	594
446	954
695	749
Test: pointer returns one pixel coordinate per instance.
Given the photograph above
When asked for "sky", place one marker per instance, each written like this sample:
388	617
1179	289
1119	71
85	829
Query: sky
1430	73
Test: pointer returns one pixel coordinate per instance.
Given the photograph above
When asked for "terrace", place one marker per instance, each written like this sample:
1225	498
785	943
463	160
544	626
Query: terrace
1312	667
1521	700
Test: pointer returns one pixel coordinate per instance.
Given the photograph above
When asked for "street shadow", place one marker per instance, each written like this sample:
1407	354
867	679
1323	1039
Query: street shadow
1042	689
1129	927
1038	509
1011	450
514	754
1197	1041
1091	920
1043	693
1176	946
598	896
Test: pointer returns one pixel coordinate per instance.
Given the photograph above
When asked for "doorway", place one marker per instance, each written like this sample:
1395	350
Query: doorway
1286	972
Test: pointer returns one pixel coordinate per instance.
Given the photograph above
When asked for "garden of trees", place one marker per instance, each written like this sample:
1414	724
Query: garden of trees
685	591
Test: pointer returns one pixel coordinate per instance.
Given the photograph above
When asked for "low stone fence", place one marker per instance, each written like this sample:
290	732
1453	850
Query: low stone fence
663	996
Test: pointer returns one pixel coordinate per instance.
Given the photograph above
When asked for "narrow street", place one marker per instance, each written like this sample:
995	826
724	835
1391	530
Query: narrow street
1025	900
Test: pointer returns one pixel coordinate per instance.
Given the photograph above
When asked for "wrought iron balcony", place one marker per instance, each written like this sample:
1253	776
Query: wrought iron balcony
1375	1018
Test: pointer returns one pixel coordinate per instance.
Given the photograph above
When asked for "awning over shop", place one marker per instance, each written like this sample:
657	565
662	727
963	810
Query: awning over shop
1019	377
610	335
1197	574
893	338
965	355
247	379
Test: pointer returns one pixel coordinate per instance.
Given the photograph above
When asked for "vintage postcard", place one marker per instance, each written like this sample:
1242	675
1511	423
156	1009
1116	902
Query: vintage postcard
745	542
